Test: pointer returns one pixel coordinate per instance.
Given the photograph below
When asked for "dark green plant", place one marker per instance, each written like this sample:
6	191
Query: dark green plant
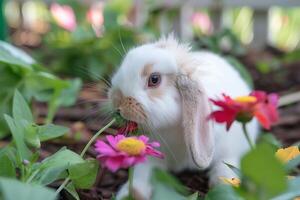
20	165
19	71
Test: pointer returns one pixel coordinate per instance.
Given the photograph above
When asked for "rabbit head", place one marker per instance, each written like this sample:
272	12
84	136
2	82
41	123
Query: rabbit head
155	87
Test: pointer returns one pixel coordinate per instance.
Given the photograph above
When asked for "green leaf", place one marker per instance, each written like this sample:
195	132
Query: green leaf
169	180
83	175
12	189
224	192
21	109
14	56
50	131
292	192
52	167
162	191
72	191
18	136
236	170
194	196
52	174
31	135
292	164
270	139
7	168
64	157
264	170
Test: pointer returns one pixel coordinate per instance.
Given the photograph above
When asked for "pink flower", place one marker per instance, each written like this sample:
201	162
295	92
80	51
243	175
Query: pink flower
201	21
64	16
95	17
123	152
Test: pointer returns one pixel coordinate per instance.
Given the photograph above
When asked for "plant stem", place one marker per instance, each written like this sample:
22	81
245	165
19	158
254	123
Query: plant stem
247	136
130	179
95	137
63	185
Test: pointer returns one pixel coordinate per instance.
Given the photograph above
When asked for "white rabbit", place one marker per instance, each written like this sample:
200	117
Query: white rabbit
165	88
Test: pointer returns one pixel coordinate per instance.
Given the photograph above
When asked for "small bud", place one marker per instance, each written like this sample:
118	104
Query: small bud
26	162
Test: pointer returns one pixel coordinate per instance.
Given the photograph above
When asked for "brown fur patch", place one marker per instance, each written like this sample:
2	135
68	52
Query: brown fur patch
132	110
147	70
116	96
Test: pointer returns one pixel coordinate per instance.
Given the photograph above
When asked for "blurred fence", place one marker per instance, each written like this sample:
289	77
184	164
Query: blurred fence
261	15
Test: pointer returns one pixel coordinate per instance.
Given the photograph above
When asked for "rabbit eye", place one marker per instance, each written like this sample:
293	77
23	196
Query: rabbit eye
154	80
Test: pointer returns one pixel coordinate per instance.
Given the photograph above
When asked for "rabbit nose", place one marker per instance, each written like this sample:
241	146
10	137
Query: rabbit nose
118	111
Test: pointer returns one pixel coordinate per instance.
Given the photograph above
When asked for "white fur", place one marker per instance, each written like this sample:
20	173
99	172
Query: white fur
164	114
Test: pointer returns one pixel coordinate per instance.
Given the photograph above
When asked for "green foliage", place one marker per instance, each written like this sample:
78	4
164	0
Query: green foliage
95	55
224	192
265	174
11	189
19	159
20	72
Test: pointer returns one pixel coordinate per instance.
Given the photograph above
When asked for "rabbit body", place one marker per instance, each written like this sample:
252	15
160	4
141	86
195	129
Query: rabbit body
175	113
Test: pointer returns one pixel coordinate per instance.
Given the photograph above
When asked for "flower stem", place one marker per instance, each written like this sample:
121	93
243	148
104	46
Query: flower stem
247	136
95	137
63	185
130	178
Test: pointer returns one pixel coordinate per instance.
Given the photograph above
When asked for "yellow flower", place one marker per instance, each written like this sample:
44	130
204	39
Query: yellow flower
287	154
231	181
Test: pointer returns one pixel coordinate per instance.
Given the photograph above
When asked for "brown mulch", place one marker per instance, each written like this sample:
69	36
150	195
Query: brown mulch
85	118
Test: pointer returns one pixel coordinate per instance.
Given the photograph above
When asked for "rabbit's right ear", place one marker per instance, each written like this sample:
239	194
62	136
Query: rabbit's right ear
195	109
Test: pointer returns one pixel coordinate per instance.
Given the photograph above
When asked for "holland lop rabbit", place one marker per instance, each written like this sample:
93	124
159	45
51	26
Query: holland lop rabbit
165	88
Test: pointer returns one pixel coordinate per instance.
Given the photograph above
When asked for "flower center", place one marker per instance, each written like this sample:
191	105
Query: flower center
131	146
246	99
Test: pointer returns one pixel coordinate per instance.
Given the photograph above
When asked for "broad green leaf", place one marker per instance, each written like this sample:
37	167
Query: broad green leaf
83	175
31	135
7	168
293	190
61	158
292	164
194	196
21	109
265	170
72	191
14	56
52	167
236	170
18	136
12	190
52	174
163	191
270	139
224	192
50	131
169	180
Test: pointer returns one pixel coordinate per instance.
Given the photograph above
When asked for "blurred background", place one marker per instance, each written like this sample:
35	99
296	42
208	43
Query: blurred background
88	38
75	46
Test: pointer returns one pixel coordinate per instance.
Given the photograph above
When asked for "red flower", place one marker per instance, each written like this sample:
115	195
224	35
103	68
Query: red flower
130	127
258	104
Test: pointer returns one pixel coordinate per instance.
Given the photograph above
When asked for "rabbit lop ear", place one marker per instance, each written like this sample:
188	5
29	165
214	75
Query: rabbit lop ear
195	110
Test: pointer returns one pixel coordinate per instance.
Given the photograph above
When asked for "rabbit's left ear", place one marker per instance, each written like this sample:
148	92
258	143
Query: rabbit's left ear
195	108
